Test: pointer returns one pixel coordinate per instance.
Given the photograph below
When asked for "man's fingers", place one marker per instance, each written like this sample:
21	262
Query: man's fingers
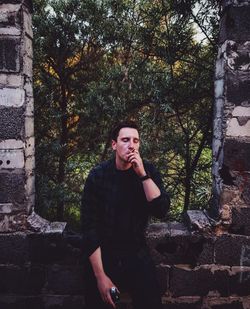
110	301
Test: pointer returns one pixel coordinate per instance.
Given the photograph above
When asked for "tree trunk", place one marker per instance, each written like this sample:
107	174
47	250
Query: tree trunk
63	150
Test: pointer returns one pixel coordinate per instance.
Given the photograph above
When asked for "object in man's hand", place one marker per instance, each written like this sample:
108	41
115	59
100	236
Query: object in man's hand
115	295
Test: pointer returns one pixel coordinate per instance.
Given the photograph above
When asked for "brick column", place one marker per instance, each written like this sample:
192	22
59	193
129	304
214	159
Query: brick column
17	159
231	143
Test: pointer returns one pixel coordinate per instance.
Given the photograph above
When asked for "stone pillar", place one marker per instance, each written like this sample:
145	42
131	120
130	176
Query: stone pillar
17	187
231	142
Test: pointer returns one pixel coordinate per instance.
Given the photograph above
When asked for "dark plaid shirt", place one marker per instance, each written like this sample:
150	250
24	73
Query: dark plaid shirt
98	206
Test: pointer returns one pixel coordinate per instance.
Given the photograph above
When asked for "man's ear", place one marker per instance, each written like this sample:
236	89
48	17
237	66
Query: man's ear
113	144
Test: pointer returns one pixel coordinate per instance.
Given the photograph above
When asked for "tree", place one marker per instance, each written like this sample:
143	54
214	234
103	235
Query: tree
98	62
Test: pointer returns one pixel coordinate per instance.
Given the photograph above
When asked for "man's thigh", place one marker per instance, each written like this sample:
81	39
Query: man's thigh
144	285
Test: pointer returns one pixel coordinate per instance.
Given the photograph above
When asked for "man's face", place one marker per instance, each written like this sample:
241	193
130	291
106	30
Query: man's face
127	142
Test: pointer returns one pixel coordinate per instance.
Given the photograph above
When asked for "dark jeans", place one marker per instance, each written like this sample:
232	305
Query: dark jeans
133	273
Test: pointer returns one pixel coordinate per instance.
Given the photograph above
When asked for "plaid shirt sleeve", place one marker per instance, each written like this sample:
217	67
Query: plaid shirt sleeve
159	206
89	215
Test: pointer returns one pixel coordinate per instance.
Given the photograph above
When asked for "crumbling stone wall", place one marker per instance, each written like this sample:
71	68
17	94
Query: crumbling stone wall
16	115
231	144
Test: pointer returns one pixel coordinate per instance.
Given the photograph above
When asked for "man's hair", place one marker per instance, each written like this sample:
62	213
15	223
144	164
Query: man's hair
123	124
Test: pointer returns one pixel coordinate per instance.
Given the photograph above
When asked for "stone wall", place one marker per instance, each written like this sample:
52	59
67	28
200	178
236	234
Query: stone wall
231	144
16	115
195	270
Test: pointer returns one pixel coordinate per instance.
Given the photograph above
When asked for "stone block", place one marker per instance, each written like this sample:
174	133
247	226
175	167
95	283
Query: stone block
14	248
11	144
30	146
235	24
220	68
162	272
10	31
30	184
178	246
185	281
234	128
197	220
27	23
238	87
11	158
65	279
9	55
29	126
22	280
213	279
6	208
30	202
27	68
237	154
232	250
10	97
65	302
219	88
30	165
21	302
28	48
29	110
239	281
12	188
237	56
224	303
28	87
240	220
240	111
12	80
11	123
9	14
52	248
185	302
218	108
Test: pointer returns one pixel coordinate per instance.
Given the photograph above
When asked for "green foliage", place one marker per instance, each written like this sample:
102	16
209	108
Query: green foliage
98	62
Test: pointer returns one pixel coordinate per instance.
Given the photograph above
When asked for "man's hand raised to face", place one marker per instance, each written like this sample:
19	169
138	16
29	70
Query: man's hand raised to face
135	159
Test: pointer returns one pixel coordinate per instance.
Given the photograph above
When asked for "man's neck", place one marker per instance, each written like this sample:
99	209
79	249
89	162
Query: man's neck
121	165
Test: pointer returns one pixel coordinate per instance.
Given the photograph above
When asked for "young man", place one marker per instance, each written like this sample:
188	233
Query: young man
119	196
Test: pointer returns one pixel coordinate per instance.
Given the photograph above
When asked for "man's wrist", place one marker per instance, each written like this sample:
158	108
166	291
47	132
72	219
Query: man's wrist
145	177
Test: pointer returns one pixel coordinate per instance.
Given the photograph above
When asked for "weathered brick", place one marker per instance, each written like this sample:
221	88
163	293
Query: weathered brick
185	281
239	281
12	188
10	97
10	15
162	272
11	158
13	80
237	154
14	248
238	87
28	3
65	279
240	220
235	129
21	302
24	280
232	250
230	305
52	248
29	126
182	303
11	123
235	24
64	302
9	55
